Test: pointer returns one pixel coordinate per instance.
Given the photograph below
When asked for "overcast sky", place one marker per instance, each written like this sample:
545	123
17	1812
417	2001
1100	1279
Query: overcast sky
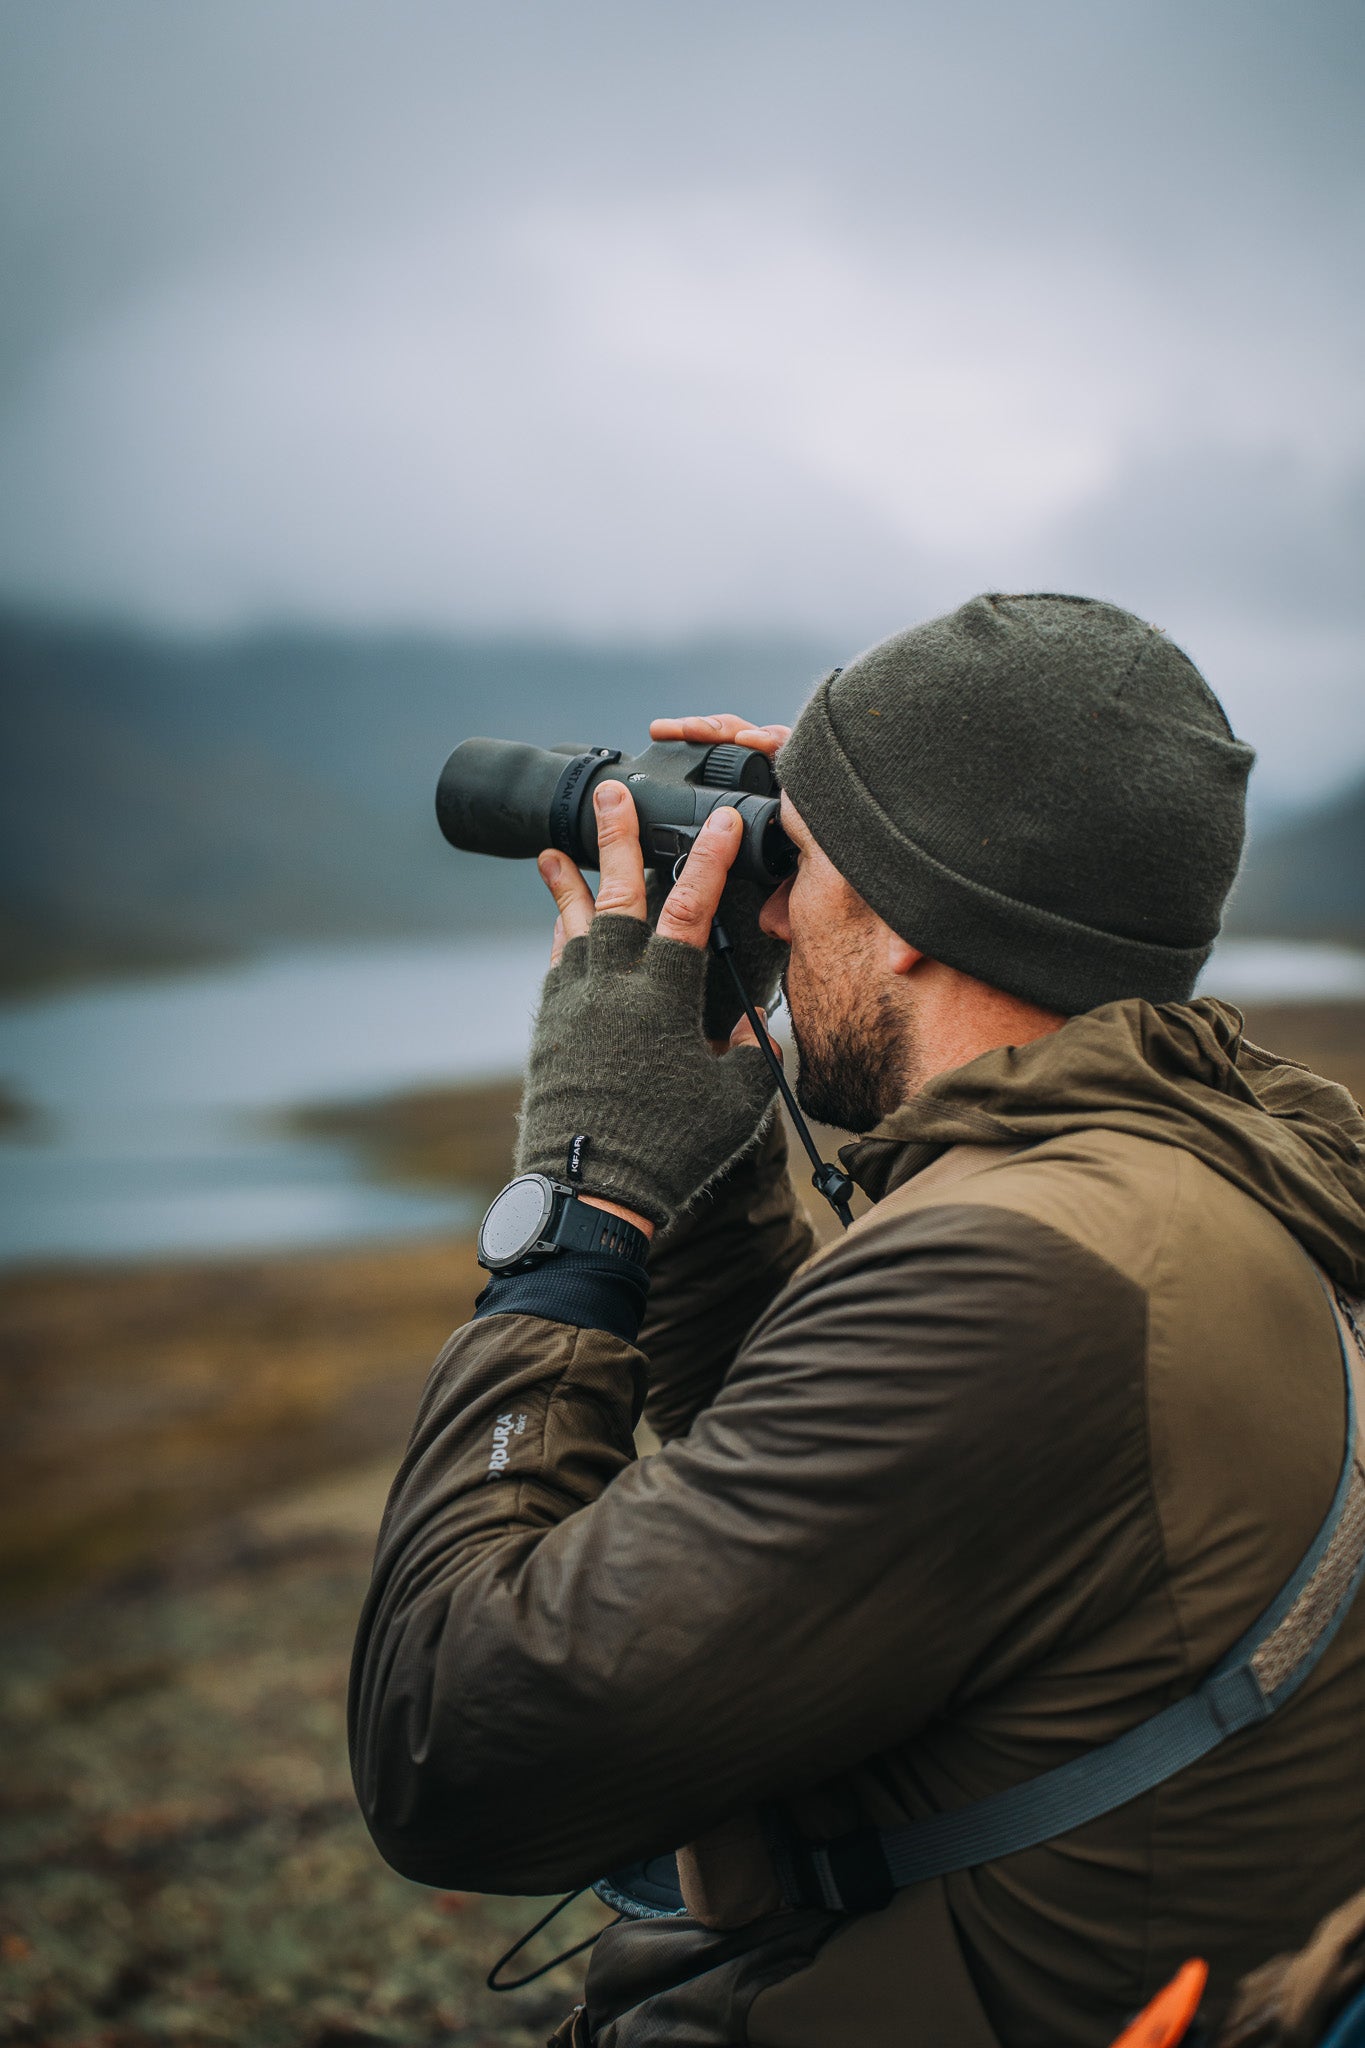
666	319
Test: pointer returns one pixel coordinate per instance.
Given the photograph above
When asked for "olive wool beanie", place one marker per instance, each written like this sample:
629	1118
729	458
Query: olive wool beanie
1041	791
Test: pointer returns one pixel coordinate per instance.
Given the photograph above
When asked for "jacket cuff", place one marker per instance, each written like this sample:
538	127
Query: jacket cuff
589	1290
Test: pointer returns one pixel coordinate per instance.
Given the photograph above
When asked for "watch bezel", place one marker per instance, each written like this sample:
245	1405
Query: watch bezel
536	1240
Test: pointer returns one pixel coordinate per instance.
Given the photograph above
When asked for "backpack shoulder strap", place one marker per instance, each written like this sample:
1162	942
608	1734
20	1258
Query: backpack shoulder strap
1260	1672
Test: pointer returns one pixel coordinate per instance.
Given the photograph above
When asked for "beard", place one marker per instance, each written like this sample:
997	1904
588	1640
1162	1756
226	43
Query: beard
856	1063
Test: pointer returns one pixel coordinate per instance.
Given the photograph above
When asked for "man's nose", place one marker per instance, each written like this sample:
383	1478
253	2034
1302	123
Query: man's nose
772	918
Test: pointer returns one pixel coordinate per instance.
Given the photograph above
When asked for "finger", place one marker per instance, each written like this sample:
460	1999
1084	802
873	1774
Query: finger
721	725
692	901
743	1033
764	739
559	942
622	889
573	897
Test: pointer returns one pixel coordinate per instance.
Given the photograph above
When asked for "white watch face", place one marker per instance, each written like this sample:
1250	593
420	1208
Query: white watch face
516	1218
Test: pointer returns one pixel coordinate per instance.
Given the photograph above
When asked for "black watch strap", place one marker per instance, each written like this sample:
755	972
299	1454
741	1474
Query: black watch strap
583	1228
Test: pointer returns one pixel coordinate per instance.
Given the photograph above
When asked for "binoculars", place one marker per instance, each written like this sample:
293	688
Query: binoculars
513	800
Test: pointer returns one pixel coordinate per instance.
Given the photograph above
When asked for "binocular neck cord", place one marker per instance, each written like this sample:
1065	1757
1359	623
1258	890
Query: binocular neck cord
829	1180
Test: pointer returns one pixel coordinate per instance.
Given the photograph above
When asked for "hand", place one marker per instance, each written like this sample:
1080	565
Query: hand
618	1051
722	725
759	958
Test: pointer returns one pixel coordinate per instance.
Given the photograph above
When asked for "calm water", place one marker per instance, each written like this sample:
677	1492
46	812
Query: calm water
152	1104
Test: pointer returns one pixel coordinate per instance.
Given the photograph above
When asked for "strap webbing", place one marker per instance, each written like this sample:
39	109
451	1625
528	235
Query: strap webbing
1259	1673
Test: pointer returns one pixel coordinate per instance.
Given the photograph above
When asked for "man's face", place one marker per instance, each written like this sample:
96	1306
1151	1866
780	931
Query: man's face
851	1016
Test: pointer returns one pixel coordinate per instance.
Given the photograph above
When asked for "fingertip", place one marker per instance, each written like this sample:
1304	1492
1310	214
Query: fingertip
744	1033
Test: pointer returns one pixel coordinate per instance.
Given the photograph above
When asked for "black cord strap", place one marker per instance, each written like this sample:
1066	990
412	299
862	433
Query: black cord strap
516	1983
828	1180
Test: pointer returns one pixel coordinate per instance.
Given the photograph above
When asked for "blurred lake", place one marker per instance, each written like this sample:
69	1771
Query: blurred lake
151	1111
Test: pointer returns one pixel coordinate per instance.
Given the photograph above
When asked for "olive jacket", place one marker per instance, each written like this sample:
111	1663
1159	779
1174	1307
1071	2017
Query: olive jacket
999	1474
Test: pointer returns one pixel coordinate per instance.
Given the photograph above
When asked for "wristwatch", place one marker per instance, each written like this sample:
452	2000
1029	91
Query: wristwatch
534	1217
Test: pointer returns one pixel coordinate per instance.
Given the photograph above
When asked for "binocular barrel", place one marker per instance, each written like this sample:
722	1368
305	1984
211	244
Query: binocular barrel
506	798
494	796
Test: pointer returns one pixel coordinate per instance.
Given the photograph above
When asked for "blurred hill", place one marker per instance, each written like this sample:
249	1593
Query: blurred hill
163	800
1306	878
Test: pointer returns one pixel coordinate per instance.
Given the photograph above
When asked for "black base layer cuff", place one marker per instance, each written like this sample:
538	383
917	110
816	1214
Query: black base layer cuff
590	1290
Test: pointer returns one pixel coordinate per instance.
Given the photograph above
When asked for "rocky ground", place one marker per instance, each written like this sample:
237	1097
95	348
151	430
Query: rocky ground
182	1859
196	1456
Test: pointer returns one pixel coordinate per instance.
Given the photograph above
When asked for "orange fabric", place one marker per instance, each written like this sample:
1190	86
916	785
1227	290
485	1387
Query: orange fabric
1167	2019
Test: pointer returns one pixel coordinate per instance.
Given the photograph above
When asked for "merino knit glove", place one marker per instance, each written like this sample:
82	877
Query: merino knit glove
759	958
618	1054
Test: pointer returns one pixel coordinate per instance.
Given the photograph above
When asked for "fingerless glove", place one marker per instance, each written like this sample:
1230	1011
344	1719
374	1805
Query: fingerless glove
759	958
618	1055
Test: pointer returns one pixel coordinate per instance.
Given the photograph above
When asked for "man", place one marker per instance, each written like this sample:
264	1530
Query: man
997	1476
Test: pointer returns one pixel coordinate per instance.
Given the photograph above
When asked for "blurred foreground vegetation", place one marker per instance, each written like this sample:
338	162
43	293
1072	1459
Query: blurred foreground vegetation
182	1856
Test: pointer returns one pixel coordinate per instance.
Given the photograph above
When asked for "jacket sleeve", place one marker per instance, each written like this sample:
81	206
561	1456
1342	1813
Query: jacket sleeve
712	1274
568	1659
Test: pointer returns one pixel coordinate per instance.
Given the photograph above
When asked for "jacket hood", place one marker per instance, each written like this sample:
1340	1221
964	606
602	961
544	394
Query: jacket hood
1180	1073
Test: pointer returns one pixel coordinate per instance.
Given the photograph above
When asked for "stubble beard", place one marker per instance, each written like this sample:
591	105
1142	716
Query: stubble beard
857	1060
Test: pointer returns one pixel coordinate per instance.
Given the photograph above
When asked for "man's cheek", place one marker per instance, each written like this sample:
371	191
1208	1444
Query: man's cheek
806	975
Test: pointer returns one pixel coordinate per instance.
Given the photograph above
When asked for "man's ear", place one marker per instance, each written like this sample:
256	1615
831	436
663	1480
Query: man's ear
901	956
